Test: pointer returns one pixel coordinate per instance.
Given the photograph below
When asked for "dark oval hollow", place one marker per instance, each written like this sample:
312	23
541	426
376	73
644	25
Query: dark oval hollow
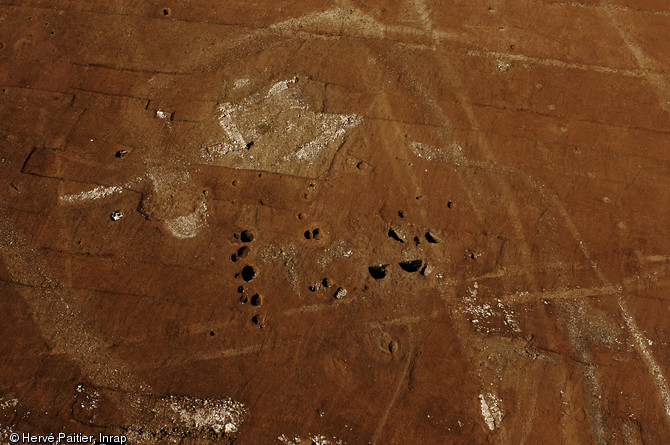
243	251
308	234
256	300
233	258
240	290
411	266
431	239
247	236
377	272
248	273
258	320
393	234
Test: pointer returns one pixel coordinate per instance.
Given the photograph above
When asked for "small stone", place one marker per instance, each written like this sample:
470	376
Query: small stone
427	270
116	215
340	292
362	165
315	287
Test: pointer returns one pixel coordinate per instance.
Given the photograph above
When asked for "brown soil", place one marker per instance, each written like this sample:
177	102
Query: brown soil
353	222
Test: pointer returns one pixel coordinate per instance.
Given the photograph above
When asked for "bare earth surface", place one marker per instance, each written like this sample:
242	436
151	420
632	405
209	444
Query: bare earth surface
348	222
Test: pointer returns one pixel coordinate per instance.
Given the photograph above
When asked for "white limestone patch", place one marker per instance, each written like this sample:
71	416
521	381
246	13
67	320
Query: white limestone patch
491	410
179	419
8	403
241	83
174	185
340	249
453	154
223	416
188	226
98	192
488	315
317	439
278	131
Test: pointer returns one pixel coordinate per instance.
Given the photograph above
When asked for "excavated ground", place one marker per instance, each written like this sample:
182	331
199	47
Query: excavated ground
346	222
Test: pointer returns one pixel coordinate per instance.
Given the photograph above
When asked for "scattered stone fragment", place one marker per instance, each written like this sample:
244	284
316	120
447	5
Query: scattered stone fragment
121	153
315	286
433	236
427	270
451	204
116	215
243	299
326	282
248	273
411	266
340	292
378	272
401	213
247	236
362	165
398	233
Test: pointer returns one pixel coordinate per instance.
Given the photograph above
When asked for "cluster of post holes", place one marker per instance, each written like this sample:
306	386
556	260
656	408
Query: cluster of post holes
324	283
379	271
247	274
